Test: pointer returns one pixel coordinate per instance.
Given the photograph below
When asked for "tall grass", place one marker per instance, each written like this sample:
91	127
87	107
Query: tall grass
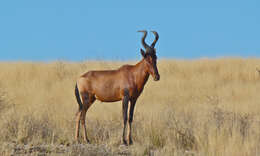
199	107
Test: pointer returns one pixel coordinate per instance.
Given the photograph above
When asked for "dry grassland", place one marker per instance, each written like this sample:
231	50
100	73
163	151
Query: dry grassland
205	107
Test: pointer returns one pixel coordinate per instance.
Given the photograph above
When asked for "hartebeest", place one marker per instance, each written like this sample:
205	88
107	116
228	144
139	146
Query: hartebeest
125	83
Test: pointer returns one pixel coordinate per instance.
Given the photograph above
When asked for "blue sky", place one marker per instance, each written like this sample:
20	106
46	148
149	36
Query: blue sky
47	30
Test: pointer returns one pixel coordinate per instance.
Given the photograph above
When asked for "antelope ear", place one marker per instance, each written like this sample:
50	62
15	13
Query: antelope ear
142	52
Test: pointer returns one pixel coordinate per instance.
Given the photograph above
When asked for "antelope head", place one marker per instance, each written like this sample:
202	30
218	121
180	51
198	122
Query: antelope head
149	55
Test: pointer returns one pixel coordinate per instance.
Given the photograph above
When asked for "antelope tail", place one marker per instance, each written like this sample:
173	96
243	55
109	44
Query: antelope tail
78	98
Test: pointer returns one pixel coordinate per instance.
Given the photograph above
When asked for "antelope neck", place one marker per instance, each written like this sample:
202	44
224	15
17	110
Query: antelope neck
141	73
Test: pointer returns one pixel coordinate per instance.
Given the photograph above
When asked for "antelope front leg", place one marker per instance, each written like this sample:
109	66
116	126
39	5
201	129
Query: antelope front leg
131	115
125	111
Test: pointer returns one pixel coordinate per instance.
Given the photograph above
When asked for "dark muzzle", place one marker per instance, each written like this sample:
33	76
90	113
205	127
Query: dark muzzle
157	77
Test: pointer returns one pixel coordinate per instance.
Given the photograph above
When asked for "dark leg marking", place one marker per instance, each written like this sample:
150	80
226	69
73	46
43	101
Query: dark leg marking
87	102
125	111
78	113
131	115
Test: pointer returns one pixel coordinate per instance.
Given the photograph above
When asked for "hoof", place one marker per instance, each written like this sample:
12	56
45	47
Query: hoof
87	142
125	143
130	142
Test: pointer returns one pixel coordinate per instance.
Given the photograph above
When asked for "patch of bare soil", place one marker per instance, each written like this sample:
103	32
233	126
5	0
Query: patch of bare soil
70	150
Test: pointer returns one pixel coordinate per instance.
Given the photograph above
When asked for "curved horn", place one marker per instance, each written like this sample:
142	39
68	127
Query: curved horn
156	38
143	38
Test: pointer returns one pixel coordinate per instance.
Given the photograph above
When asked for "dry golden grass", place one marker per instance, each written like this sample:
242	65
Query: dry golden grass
199	107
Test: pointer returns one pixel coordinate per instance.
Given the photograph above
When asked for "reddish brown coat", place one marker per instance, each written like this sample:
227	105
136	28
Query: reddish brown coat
125	83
